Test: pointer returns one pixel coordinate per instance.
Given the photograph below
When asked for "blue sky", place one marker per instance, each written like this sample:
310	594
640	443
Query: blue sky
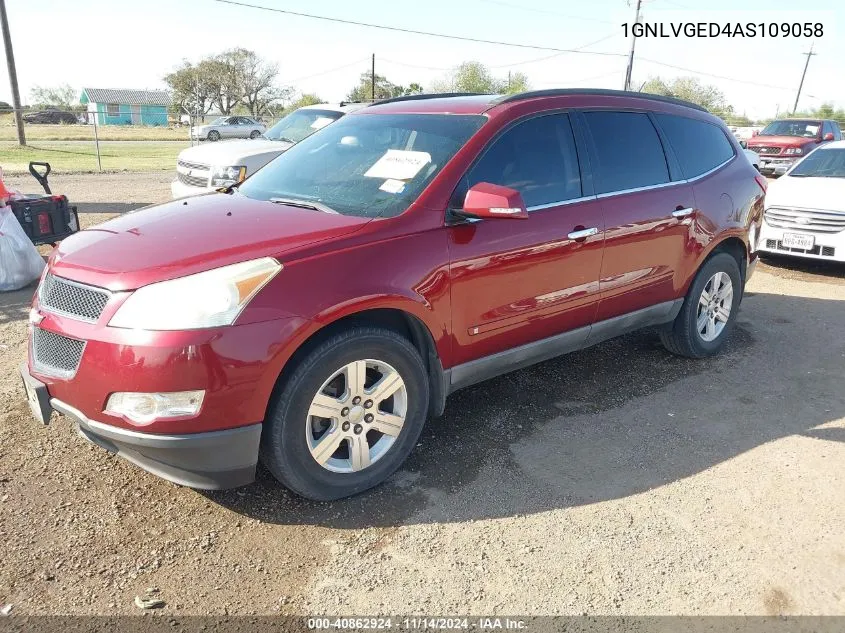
123	44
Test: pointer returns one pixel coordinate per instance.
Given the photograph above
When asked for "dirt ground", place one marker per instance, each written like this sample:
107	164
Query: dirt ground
617	480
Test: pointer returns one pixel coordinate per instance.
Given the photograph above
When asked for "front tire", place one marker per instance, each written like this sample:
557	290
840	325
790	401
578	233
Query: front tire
709	311
214	135
348	416
254	134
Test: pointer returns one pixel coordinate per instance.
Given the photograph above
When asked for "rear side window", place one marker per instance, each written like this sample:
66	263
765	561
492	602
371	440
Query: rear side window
536	157
628	151
700	146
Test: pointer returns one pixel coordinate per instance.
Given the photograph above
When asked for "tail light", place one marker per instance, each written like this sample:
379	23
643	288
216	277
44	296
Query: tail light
44	224
761	180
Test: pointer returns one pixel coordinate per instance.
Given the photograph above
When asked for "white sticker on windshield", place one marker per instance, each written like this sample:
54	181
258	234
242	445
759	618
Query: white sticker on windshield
321	122
392	186
397	164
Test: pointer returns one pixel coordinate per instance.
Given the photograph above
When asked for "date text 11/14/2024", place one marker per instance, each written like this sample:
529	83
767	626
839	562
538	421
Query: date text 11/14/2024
417	623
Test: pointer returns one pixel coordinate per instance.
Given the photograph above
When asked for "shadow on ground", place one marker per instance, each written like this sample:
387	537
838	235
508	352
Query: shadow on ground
601	424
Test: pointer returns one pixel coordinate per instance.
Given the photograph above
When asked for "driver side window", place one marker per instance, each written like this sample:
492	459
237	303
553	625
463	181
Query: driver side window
536	157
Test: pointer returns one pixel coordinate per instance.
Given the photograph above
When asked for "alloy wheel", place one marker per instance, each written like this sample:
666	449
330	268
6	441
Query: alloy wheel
714	307
356	416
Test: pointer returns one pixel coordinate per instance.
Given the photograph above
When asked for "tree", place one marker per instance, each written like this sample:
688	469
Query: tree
692	90
384	89
304	100
63	95
190	90
476	77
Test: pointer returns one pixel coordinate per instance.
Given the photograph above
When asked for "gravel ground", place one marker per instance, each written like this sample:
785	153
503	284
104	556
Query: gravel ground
617	480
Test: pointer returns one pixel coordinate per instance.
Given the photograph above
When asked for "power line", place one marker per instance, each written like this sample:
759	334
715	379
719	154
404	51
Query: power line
546	11
704	74
398	63
416	32
326	72
544	58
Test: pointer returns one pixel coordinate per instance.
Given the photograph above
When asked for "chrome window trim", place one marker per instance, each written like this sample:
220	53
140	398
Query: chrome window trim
75	317
559	203
684	181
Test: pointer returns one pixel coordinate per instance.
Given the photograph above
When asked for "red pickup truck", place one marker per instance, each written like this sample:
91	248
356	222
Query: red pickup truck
784	141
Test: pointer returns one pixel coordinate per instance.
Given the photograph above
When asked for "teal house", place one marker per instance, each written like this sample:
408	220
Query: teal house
126	107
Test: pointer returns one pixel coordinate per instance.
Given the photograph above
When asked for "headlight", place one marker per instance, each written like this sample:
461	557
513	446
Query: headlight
209	299
793	150
225	176
143	408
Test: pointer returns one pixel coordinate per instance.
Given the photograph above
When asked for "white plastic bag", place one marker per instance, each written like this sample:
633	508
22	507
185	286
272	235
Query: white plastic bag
20	263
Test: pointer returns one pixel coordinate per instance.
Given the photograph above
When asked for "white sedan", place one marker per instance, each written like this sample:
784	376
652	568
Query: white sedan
805	208
228	127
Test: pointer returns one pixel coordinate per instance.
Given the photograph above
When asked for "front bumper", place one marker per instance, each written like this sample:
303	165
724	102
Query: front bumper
777	166
179	189
209	461
827	246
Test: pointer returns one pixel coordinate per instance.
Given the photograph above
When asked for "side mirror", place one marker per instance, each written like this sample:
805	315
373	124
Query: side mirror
743	144
488	201
828	136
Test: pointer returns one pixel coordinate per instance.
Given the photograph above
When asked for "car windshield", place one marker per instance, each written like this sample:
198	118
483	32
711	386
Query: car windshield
301	124
807	129
370	165
220	120
823	163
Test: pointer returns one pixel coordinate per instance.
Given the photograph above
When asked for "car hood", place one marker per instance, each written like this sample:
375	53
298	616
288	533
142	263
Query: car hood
807	193
227	153
779	141
188	236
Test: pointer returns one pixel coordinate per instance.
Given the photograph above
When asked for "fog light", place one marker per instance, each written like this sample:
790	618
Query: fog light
143	408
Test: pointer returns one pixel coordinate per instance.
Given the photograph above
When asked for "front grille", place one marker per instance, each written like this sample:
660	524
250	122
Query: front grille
806	219
824	251
193	181
55	354
188	165
77	301
766	150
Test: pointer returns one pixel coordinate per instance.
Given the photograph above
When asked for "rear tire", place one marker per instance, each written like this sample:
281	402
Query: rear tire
706	321
254	134
357	455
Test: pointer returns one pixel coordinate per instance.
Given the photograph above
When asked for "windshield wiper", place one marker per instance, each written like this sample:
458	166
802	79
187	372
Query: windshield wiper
303	204
283	139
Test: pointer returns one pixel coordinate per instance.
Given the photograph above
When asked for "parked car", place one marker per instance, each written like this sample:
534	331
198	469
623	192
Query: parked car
805	209
204	168
228	127
317	313
752	156
50	117
784	141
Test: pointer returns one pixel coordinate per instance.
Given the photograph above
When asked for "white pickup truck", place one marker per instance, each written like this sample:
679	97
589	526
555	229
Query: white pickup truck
207	167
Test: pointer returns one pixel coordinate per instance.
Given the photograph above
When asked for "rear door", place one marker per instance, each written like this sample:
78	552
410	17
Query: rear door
647	207
518	281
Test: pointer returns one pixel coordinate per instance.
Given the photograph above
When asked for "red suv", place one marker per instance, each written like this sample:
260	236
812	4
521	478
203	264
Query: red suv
316	314
785	141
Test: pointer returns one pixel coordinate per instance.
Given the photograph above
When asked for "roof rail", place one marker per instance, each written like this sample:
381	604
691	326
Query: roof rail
432	95
560	92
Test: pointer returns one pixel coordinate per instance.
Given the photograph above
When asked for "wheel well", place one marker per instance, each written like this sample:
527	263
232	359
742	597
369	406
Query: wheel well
398	321
736	248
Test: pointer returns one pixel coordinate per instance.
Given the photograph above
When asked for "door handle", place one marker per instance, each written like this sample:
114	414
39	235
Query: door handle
582	234
682	213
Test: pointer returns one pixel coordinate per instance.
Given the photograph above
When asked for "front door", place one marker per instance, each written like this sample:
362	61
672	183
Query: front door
518	281
136	114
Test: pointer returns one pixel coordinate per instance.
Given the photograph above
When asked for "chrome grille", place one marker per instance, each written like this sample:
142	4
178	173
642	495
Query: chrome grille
806	219
193	181
55	354
766	150
189	165
77	301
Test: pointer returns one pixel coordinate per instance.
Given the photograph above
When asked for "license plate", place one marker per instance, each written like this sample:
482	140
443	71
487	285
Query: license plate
37	397
798	240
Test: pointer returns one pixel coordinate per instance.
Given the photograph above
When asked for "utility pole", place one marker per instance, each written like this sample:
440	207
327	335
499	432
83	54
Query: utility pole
804	74
633	43
13	73
373	79
509	82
